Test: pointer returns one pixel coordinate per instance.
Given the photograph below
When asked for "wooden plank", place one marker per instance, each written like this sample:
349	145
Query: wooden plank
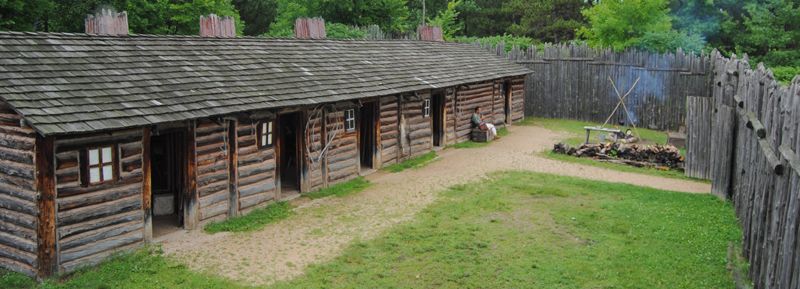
233	168
45	179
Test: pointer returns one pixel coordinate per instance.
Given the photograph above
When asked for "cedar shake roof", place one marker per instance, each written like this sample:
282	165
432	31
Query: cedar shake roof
68	83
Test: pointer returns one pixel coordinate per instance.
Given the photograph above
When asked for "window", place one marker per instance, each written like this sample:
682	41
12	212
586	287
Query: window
265	132
426	108
349	120
98	165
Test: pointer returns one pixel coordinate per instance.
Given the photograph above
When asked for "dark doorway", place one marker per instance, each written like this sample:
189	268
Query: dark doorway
366	134
168	163
437	109
289	146
507	100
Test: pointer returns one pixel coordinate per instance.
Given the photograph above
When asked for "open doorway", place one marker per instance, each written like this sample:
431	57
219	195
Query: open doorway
167	158
437	111
290	141
507	100
366	135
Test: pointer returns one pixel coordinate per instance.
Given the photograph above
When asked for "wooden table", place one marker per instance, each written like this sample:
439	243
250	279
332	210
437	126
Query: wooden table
589	130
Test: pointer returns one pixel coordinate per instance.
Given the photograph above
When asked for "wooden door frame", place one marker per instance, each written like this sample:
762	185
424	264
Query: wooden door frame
507	109
439	108
299	149
375	102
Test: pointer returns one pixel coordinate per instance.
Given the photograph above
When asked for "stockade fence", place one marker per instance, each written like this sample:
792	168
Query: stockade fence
574	81
755	164
743	130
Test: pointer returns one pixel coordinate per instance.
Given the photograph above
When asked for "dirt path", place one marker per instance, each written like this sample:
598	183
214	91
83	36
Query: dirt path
321	229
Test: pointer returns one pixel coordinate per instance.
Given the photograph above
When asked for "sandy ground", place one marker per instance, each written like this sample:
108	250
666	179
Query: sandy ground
322	228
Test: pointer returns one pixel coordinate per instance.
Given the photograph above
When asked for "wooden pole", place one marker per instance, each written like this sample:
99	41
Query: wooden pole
46	186
233	168
191	199
147	186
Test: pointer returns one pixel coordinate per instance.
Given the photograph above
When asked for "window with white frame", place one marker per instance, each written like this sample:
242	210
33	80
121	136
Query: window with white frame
350	120
265	134
426	108
98	166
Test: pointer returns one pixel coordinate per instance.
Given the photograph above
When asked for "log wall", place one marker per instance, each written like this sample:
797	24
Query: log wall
450	116
314	144
212	170
95	221
256	168
469	97
18	196
518	99
417	135
342	157
390	129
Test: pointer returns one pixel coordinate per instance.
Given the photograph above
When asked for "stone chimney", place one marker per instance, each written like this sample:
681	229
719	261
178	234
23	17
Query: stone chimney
430	33
107	22
309	28
215	26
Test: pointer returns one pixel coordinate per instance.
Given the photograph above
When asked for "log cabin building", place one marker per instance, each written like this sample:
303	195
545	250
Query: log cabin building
105	138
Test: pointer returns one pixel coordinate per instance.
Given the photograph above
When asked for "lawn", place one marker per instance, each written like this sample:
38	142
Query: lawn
519	230
253	220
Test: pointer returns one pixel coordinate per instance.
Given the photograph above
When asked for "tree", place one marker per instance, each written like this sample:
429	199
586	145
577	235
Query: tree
546	20
643	24
771	32
258	14
447	19
390	15
484	18
26	15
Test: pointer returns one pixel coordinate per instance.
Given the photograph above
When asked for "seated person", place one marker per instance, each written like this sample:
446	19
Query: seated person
478	122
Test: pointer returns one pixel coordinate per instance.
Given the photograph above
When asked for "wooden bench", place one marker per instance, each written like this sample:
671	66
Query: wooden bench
589	130
478	135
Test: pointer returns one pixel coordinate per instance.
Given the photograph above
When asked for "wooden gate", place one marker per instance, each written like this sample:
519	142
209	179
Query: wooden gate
698	136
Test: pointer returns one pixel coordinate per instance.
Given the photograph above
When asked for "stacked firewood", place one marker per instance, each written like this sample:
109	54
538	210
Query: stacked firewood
632	154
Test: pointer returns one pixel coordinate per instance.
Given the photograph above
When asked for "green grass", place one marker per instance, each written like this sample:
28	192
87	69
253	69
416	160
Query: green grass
528	230
254	220
341	189
144	269
578	134
503	131
413	163
519	230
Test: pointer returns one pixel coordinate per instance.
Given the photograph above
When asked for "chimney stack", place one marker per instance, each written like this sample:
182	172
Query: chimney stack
215	26
309	28
107	22
430	33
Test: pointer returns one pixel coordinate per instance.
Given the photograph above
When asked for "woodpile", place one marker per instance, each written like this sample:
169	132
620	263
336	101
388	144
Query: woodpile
659	156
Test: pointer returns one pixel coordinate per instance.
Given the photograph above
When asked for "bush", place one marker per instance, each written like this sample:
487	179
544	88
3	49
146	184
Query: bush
785	74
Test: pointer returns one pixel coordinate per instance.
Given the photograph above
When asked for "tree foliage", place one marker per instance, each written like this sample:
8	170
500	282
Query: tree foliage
546	20
448	20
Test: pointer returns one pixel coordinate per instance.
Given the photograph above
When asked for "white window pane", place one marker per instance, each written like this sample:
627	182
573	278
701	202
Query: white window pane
94	175
107	154
264	139
269	139
107	174
94	157
269	127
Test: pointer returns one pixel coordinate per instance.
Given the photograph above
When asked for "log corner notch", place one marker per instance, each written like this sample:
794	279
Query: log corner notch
46	188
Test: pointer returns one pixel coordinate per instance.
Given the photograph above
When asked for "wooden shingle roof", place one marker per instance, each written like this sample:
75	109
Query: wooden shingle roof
69	83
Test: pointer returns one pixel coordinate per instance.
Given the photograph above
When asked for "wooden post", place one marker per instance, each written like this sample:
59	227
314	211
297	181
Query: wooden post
191	199
278	141
147	186
46	187
233	168
377	151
